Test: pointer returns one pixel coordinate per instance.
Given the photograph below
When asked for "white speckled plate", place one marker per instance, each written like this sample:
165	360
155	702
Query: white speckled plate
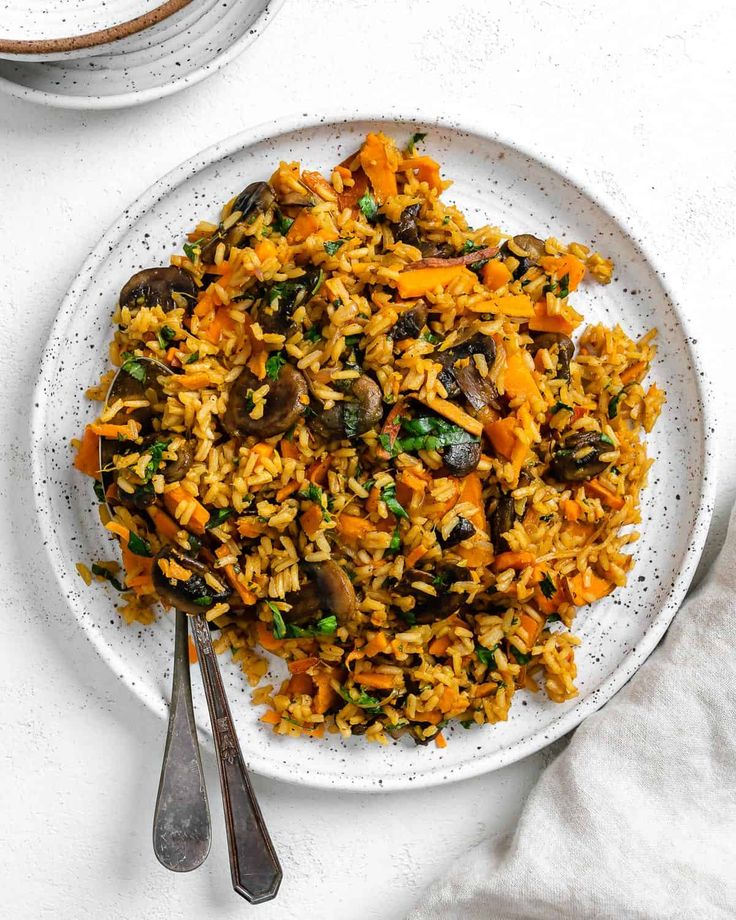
150	65
494	182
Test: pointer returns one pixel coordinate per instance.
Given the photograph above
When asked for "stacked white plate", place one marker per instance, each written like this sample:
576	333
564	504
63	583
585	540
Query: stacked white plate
86	54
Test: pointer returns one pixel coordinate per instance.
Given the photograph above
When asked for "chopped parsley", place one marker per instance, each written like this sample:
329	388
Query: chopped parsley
331	246
192	358
138	545
547	586
134	367
192	250
107	574
364	700
430	337
279	627
324	627
395	544
564	285
218	517
470	246
313	334
415	139
428	433
312	493
350	419
520	656
274	364
388	496
352	340
554	618
281	224
605	438
204	601
194	544
249	404
368	207
165	335
467	723
486	654
156	451
613	404
559	406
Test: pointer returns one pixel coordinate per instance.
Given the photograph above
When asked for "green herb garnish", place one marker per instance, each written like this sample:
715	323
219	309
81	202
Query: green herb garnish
547	586
520	656
415	139
395	544
554	618
204	601
156	451
192	358
135	368
138	545
312	493
274	364
331	246
194	544
279	627
564	286
324	627
107	574
388	496
486	654
281	223
607	440
613	404
99	491
350	419
368	207
559	406
218	517
313	334
165	335
192	250
352	340
364	700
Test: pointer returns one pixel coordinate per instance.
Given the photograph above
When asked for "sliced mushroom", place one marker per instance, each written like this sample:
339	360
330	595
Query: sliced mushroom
461	459
295	200
428	608
193	595
407	231
176	470
526	249
255	198
478	390
579	457
285	403
502	520
326	590
463	530
410	324
139	378
474	344
154	287
565	350
275	309
360	412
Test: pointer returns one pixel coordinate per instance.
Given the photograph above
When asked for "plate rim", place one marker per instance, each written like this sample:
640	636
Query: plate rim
567	720
139	97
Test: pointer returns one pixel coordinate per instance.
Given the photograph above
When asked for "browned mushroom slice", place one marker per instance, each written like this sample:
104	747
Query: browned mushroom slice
526	249
410	324
176	470
579	457
431	607
197	593
285	403
502	520
255	199
461	459
361	411
153	287
565	350
326	590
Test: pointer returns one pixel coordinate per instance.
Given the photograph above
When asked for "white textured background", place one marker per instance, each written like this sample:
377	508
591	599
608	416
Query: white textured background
633	97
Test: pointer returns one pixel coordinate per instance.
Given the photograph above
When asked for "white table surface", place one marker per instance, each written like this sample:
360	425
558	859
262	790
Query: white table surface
636	98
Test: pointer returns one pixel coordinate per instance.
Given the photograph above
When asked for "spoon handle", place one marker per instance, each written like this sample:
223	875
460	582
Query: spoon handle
254	866
181	821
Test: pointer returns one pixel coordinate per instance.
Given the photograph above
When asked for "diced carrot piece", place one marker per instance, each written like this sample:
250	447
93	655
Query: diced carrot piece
310	521
439	740
518	379
379	643
433	716
266	638
352	528
481	690
583	593
302	665
607	497
193	381
165	525
288	449
326	696
200	515
513	560
221	322
285	491
380	160
248	597
544	323
317	472
375	679
257	363
351	196
501	435
415	282
263	449
371	503
570	509
249	529
531	627
414	555
106	430
304	225
439	645
270	717
301	683
265	249
171	357
634	372
87	460
426	169
566	264
495	274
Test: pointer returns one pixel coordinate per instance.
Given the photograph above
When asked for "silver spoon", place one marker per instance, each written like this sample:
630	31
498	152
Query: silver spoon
254	867
181	820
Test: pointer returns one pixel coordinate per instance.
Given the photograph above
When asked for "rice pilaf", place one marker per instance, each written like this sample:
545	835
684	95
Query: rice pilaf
377	454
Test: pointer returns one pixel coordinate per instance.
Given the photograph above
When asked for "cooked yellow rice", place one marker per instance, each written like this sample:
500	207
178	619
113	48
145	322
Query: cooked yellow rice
438	631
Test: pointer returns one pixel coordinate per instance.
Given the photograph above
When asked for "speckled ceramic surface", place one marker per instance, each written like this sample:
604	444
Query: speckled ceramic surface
158	62
494	182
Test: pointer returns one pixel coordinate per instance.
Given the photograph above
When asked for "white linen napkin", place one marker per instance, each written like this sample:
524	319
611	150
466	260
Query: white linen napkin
637	816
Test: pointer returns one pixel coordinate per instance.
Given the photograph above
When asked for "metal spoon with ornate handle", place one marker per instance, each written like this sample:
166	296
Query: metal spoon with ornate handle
254	866
181	822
